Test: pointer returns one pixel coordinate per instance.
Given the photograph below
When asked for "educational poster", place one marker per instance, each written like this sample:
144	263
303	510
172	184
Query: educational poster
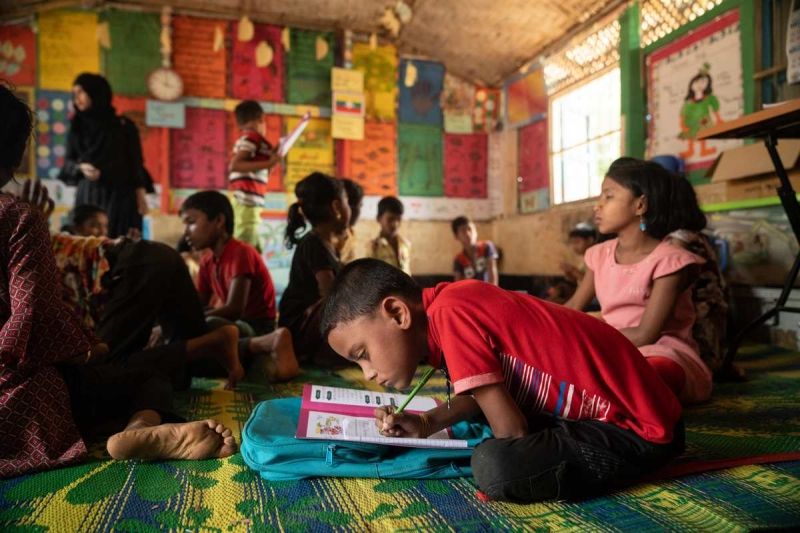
526	98
465	165
198	157
67	46
692	83
27	168
18	54
420	160
199	55
761	244
458	99
274	126
421	84
379	66
534	168
154	140
134	52
347	106
309	63
53	111
372	163
486	109
257	65
271	232
313	152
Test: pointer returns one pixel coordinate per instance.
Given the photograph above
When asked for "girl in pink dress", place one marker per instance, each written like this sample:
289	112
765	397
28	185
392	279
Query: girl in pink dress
643	282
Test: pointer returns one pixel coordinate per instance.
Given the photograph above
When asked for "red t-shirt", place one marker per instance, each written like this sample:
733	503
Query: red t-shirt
552	359
238	259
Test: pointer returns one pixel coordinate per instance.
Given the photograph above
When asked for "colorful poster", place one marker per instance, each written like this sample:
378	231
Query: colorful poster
526	98
67	47
465	165
533	169
458	99
18	54
279	260
313	151
53	112
199	55
309	64
372	163
420	160
134	52
198	157
347	107
379	66
421	85
274	130
155	150
692	83
257	65
486	109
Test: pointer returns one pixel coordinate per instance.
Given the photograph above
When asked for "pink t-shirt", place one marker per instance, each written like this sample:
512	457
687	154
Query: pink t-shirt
623	292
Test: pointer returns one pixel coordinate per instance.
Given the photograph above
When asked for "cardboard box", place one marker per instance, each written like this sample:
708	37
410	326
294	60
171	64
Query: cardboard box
746	173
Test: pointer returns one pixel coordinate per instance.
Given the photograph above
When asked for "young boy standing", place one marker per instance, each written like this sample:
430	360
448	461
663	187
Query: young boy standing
390	246
574	408
253	157
478	259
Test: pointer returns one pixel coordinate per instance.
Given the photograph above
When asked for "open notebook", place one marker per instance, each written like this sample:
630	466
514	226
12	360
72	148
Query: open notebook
333	413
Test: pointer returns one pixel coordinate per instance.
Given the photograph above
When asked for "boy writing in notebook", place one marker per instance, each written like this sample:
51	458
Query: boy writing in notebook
253	157
574	408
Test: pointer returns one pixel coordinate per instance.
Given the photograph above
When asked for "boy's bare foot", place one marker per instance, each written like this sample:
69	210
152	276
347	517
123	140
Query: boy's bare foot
191	440
220	345
278	347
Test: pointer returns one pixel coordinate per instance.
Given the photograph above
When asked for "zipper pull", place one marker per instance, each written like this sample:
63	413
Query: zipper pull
329	454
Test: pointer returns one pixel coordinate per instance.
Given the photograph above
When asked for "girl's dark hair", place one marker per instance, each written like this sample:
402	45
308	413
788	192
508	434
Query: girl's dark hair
212	204
355	195
85	212
315	193
671	200
690	92
15	129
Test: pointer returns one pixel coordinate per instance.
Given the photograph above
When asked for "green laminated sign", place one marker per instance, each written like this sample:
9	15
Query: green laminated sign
310	60
134	51
420	157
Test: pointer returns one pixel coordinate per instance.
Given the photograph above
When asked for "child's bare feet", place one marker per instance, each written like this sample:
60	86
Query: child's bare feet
191	440
279	350
220	345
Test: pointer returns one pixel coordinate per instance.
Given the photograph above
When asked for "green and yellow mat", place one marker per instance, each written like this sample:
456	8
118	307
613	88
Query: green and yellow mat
757	419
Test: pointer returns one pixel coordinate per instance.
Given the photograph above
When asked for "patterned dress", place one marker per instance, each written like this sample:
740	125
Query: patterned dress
37	331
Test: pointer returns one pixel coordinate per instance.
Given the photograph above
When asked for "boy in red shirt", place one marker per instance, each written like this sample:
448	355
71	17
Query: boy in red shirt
574	407
234	274
477	259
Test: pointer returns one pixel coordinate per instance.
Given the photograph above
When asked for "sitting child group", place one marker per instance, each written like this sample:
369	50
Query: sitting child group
578	404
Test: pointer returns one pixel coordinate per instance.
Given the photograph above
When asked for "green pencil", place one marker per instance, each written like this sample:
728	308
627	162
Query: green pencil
425	377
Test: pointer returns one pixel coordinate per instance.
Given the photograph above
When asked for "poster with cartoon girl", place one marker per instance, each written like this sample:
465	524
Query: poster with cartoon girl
694	82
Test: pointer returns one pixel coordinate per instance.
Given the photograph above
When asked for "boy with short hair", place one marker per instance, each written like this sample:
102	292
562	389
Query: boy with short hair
477	259
574	408
390	246
253	157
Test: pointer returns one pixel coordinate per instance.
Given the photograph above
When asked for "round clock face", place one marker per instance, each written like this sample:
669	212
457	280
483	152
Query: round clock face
165	84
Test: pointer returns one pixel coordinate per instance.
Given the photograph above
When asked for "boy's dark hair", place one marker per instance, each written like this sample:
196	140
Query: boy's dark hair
355	195
359	289
314	194
390	204
458	222
15	129
247	111
671	199
583	231
83	213
212	204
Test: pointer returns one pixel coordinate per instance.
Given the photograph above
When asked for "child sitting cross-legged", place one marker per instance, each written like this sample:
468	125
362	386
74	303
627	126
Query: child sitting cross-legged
574	408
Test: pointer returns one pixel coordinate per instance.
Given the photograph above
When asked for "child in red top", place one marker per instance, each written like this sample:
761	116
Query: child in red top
233	273
573	406
478	259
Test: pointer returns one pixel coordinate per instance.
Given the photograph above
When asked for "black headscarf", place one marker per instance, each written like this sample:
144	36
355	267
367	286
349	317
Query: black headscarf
96	128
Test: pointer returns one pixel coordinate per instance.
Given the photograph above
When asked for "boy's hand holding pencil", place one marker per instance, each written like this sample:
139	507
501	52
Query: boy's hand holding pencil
391	423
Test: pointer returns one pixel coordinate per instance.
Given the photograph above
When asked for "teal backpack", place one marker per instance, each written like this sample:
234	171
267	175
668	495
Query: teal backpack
269	446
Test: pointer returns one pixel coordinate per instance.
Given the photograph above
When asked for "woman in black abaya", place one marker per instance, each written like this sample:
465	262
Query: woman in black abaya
104	157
